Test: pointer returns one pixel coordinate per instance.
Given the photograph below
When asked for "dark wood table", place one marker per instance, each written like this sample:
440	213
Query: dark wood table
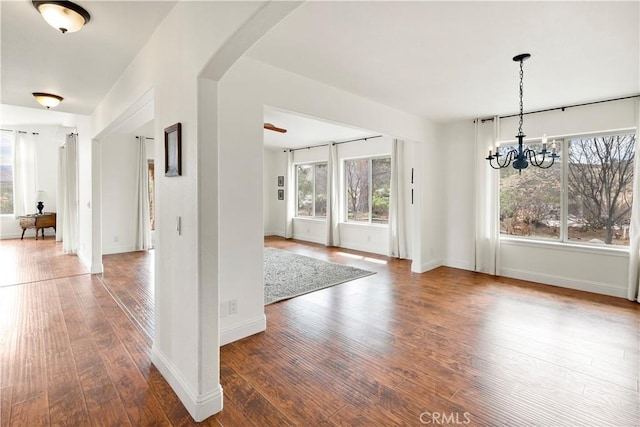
37	221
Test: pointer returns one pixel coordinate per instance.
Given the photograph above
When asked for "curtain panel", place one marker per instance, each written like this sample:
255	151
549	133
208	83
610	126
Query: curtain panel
398	245
634	232
25	173
333	197
487	199
143	220
290	196
67	216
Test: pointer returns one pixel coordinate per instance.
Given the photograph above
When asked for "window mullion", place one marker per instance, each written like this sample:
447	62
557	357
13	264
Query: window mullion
564	205
370	191
313	190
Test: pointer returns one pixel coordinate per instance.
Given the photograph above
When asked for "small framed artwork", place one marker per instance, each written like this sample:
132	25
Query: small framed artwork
281	181
280	194
173	150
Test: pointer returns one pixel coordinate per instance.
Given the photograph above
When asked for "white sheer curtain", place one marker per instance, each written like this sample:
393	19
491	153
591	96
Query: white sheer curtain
398	246
143	221
487	200
67	216
60	192
634	237
333	197
25	173
291	196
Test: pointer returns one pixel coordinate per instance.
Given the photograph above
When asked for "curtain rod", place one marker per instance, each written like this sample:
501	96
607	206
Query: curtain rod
334	143
146	137
560	108
19	131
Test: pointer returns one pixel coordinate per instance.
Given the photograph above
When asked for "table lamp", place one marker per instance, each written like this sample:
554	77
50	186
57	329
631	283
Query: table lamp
40	196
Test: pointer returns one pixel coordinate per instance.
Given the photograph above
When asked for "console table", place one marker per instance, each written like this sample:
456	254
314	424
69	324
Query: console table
39	222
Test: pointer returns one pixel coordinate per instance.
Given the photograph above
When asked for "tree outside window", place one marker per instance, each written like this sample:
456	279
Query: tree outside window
600	181
595	206
530	201
311	182
368	183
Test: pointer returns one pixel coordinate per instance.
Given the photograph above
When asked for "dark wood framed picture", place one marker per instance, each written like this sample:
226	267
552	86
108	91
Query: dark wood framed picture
173	150
281	181
280	194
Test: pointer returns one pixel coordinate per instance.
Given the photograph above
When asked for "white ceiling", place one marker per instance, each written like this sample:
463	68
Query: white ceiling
452	60
305	131
81	67
445	61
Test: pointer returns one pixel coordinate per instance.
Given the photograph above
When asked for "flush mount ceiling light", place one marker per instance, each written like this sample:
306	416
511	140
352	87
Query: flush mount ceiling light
63	15
47	99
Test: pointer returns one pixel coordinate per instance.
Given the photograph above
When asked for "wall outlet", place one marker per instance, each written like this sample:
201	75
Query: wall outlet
233	306
116	239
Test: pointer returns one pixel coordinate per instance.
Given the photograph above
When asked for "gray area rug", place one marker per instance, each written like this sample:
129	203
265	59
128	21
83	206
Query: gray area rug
287	275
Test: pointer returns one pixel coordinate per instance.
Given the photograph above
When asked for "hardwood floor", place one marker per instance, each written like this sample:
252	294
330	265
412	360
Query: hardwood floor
393	349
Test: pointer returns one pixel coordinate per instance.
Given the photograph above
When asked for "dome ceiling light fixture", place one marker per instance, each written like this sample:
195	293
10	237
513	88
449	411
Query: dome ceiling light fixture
47	99
63	15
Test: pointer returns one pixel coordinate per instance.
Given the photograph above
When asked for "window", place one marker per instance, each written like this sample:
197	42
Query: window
367	193
6	172
596	174
311	182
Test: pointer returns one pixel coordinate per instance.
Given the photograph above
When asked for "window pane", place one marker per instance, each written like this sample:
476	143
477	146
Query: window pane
380	182
600	184
321	190
530	201
6	172
357	172
305	190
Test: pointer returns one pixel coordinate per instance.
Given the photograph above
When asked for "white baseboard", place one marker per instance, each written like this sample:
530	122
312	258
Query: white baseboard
274	233
118	249
365	248
242	330
200	406
457	263
565	282
308	238
425	266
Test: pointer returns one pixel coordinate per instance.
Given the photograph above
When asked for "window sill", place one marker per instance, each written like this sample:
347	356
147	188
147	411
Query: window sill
363	224
309	219
617	251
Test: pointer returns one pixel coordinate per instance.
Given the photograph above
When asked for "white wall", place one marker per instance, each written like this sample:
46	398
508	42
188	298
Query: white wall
185	346
275	164
601	270
244	91
458	197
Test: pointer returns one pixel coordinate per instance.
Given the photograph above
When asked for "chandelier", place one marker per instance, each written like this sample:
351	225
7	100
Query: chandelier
521	157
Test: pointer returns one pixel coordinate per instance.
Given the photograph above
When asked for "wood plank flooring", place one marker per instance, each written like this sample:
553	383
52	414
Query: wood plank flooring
394	349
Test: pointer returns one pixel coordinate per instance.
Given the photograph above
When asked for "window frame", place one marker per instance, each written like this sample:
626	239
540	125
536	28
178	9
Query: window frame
563	239
313	190
345	192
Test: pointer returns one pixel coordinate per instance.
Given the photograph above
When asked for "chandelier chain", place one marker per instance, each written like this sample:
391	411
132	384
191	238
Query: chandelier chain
521	92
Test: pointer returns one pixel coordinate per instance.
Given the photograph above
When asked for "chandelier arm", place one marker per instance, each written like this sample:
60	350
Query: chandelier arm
540	163
508	158
553	160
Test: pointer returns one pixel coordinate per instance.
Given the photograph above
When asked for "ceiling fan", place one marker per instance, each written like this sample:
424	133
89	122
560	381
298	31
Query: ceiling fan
270	126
